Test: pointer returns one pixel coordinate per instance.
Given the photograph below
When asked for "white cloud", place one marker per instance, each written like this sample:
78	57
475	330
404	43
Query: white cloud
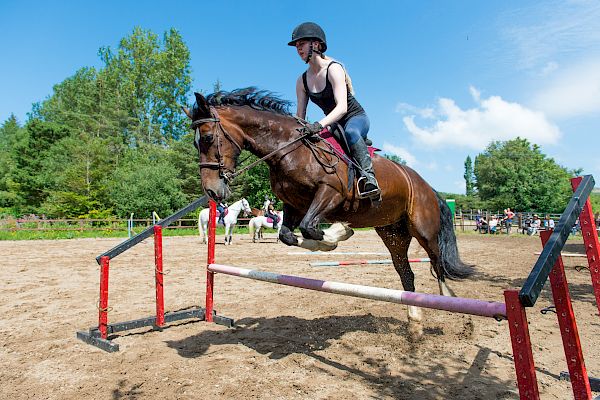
405	108
551	29
574	92
401	152
492	119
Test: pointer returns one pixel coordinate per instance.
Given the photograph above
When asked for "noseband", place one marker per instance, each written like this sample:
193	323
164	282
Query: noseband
224	172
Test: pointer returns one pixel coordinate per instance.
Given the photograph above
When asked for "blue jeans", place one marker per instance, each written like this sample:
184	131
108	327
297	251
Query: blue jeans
356	127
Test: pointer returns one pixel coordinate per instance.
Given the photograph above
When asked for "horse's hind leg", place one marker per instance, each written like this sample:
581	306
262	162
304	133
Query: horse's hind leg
397	240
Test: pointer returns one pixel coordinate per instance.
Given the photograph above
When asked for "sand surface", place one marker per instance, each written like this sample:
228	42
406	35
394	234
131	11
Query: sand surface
288	343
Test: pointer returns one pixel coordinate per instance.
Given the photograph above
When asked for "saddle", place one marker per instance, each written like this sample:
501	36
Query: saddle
224	213
337	139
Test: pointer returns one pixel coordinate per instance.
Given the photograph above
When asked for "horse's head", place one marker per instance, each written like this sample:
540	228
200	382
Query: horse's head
217	148
246	207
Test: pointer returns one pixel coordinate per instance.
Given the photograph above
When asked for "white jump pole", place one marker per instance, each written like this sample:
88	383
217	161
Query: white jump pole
452	304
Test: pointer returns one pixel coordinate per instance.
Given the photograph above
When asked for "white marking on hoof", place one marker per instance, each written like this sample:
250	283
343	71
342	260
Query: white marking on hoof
337	232
445	289
415	314
415	328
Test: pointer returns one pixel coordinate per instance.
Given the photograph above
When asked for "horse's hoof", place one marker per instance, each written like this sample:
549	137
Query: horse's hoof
288	238
415	331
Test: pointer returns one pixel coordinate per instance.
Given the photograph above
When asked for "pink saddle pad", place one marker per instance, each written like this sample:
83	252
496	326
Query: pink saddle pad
328	136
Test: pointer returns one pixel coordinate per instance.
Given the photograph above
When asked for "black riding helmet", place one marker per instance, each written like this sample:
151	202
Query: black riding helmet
308	30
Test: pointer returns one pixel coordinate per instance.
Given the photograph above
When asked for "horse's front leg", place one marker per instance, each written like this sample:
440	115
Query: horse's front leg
325	200
291	220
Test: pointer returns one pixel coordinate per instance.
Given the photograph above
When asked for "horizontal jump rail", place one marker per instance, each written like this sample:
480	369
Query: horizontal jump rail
338	253
361	262
452	304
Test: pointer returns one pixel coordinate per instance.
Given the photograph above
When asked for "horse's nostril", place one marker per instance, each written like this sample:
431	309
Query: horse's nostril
212	195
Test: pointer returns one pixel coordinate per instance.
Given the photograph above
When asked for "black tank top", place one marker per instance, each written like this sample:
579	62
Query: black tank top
326	100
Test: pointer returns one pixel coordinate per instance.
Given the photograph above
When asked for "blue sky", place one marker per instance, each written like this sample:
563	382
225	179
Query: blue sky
439	79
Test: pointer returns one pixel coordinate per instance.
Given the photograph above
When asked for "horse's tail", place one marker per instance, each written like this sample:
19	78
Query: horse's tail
453	267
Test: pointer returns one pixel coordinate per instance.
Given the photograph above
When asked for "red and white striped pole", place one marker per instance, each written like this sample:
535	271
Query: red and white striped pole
210	276
159	276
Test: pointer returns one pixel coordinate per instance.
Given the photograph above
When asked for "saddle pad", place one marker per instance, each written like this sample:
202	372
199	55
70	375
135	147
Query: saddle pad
328	136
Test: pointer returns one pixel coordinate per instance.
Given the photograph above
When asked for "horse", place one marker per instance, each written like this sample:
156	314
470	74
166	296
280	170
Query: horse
313	184
257	223
230	219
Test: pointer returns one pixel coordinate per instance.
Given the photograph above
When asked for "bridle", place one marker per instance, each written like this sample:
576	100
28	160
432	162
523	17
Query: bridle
227	174
224	172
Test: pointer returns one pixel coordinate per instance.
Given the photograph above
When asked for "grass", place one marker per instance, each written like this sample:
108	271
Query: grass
76	234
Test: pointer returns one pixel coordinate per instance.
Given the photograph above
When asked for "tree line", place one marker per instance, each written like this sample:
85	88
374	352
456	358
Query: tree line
113	140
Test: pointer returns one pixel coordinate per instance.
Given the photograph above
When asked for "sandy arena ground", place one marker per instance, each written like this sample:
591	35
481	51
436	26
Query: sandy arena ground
289	343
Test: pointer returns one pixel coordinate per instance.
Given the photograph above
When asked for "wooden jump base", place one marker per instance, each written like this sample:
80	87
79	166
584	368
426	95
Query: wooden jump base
361	262
99	336
452	304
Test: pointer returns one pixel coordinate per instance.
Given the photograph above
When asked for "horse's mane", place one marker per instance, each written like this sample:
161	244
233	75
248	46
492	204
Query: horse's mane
250	96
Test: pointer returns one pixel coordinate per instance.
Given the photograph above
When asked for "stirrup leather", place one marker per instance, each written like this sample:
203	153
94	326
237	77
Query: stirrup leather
366	194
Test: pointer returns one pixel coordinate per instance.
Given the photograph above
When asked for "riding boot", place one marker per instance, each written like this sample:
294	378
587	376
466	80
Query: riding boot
361	154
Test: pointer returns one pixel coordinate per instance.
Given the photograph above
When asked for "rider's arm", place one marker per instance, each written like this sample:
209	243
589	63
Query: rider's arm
337	77
301	99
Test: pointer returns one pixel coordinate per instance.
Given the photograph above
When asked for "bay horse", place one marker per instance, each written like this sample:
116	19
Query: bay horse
230	220
313	186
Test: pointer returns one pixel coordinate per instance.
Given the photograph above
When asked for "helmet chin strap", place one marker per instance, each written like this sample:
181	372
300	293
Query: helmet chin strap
312	50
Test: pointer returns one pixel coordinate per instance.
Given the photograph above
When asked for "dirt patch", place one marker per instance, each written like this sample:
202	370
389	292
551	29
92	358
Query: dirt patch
289	343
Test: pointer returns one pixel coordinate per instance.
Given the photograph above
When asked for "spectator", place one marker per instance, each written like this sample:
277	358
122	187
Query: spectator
493	224
508	220
548	222
478	220
535	225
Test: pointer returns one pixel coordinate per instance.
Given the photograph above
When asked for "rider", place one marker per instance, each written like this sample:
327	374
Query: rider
328	85
270	211
221	209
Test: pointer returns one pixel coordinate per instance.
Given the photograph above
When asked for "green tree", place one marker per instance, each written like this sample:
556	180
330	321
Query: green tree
395	158
517	174
469	177
255	184
30	156
12	137
146	182
150	79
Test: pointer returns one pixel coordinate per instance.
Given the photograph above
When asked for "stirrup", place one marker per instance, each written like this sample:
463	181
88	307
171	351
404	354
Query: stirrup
371	194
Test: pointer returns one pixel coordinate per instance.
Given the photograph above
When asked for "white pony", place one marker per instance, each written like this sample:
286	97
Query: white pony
230	219
257	223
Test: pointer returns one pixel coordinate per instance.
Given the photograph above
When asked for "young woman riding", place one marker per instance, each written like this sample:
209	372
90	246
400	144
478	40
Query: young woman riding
327	84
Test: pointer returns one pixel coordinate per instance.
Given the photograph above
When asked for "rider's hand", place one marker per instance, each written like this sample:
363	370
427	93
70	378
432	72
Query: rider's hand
313	129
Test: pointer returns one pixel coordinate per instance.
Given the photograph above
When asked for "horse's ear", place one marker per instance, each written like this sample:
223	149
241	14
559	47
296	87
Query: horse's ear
187	112
203	106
